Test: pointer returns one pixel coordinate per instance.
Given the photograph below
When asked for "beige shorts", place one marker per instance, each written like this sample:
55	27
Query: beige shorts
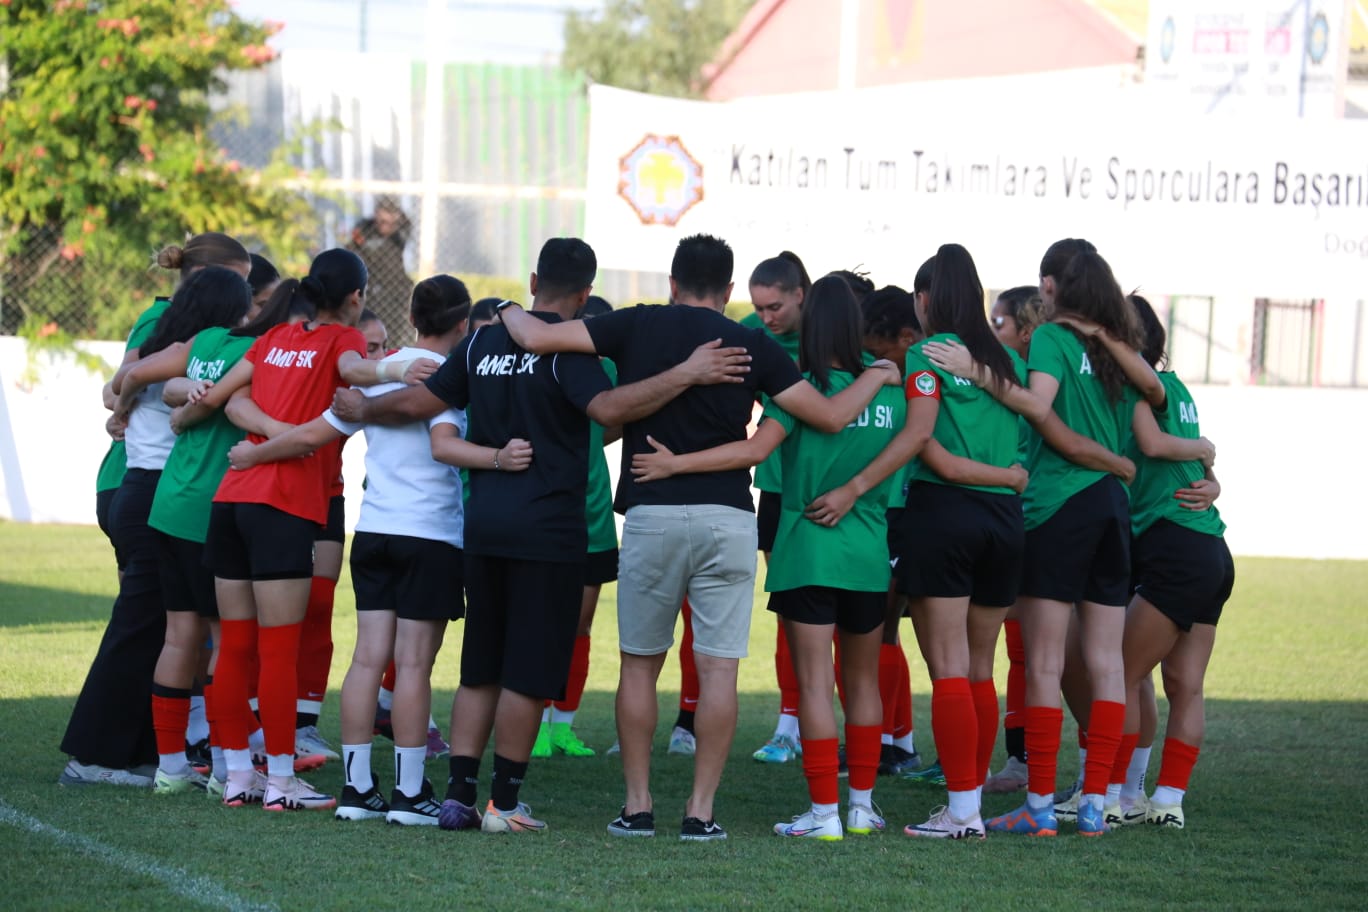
706	552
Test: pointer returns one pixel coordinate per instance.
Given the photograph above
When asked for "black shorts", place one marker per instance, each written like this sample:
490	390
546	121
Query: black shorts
1082	553
417	578
896	534
964	543
767	520
335	530
103	501
521	621
600	567
1187	575
249	541
852	612
187	585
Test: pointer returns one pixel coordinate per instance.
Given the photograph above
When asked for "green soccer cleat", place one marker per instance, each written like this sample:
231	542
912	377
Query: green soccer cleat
565	741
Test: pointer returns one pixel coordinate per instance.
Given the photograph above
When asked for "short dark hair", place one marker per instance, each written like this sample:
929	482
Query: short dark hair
484	310
368	316
594	307
859	281
565	266
1156	337
888	311
702	266
263	274
439	303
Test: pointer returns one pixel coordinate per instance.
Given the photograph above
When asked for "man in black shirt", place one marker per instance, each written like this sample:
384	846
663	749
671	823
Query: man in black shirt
525	537
689	534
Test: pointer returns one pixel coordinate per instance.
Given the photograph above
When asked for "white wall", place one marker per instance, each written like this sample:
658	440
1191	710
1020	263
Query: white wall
1287	457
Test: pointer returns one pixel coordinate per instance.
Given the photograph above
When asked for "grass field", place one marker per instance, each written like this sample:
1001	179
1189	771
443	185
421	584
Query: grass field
1273	813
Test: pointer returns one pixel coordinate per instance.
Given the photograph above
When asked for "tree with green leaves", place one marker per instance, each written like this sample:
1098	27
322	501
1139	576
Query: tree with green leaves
107	153
656	46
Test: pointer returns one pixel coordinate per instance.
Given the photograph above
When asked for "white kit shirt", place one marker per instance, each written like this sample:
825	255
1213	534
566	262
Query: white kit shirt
149	437
407	491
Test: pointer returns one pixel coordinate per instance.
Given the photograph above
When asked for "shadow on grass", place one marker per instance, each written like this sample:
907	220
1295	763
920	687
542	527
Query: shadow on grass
21	606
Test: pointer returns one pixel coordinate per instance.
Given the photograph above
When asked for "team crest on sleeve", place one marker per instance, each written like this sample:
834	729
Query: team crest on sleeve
926	383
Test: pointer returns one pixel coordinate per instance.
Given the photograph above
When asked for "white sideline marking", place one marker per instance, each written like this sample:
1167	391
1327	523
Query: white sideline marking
177	880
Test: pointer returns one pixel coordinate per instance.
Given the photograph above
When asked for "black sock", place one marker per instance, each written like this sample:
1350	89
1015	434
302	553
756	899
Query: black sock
173	693
1015	739
508	778
685	720
305	719
465	775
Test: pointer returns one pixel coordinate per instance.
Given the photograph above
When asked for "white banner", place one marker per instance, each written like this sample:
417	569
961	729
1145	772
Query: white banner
880	177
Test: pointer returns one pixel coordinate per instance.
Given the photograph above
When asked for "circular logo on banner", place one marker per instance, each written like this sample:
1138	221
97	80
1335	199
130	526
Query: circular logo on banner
1168	38
660	180
1318	38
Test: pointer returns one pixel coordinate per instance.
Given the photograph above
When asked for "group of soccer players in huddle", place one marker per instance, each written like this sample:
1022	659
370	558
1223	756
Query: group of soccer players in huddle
1033	469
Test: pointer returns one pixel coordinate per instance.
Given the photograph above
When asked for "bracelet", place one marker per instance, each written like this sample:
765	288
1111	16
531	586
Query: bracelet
497	468
383	371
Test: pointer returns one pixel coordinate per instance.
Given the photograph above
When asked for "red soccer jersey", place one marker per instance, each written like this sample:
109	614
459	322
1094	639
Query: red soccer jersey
294	375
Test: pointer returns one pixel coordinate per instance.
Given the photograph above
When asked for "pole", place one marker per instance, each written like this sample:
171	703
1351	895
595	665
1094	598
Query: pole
433	108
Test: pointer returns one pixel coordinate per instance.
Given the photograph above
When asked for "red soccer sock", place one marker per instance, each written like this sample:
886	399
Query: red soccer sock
821	764
316	646
236	662
579	675
1123	758
279	649
1016	676
1043	727
170	714
955	727
986	713
784	674
902	717
1105	721
862	755
688	670
1176	768
391	675
888	685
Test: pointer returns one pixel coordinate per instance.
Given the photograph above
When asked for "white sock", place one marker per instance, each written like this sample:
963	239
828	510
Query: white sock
238	761
886	738
174	764
220	762
254	704
862	797
309	707
356	766
964	805
197	729
1094	801
1113	795
408	769
546	716
905	742
978	797
432	723
824	810
788	726
1038	802
1168	796
280	766
1082	764
256	742
559	716
385	699
1135	774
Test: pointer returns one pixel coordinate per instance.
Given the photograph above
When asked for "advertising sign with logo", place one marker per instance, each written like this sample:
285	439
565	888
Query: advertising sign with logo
879	177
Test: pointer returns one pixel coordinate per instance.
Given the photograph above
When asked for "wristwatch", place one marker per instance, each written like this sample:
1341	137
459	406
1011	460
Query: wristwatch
500	307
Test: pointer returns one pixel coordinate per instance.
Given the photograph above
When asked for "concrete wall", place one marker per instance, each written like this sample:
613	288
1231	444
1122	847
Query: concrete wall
1287	457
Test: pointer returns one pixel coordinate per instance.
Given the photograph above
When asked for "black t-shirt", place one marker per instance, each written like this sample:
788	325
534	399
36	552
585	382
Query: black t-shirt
645	340
537	514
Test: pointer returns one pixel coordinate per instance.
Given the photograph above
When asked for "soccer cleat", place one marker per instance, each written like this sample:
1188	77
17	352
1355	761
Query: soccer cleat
894	760
437	746
456	816
932	775
1068	808
541	748
842	768
641	823
565	741
694	829
190	781
1136	813
93	774
1011	778
1165	815
943	825
518	820
1092	820
303	763
420	810
213	787
383	726
682	742
616	749
809	826
199	755
309	742
1026	821
236	794
779	749
864	820
367	805
294	794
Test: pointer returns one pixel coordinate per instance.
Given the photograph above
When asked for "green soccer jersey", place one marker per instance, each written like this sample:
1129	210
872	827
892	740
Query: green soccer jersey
768	474
970	423
852	555
1082	404
115	462
1156	480
199	458
598	505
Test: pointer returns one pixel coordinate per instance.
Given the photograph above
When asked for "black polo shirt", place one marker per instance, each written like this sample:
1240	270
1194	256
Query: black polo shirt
537	514
645	340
